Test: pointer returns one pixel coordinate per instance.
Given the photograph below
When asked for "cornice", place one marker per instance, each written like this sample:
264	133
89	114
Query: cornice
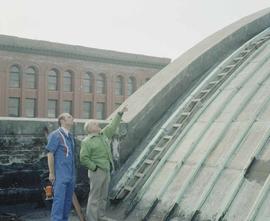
15	44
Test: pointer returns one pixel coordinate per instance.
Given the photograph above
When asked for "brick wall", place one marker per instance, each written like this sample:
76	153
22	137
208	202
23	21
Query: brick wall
45	56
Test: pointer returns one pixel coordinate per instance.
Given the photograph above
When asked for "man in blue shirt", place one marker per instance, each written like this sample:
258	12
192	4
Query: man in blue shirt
61	167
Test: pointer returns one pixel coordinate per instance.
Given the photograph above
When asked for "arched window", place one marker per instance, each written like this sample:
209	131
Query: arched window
131	85
87	82
101	83
31	78
119	86
14	76
67	81
53	80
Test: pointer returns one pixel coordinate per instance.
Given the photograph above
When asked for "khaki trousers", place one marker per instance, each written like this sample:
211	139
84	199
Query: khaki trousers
98	195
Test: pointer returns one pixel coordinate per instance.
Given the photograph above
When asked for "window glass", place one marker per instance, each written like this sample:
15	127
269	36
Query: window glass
100	111
100	84
87	83
52	108
30	107
131	85
14	77
87	109
67	107
119	86
67	81
53	80
14	107
31	78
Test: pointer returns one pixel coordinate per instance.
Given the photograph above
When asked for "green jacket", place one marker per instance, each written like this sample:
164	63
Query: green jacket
95	148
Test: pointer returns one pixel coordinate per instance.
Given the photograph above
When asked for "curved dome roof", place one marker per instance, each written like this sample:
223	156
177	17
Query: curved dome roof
210	160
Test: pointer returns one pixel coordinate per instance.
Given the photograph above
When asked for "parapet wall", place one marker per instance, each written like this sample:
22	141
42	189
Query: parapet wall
23	140
23	161
23	158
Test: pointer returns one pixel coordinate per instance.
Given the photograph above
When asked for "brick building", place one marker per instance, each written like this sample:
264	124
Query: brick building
43	79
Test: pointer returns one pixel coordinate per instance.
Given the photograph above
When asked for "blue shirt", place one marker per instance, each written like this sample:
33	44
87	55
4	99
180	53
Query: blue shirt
62	146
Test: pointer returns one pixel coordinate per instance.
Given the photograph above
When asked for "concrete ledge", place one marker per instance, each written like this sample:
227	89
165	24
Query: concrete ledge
151	101
35	126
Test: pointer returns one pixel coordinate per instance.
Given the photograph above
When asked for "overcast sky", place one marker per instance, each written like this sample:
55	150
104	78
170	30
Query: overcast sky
164	28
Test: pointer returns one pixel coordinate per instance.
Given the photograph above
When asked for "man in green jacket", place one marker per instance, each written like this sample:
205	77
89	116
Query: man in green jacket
96	156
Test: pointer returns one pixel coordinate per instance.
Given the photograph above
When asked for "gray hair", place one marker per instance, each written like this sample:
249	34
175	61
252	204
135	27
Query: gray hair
87	124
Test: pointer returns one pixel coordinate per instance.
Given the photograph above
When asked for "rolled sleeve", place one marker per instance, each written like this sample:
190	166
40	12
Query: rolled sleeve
53	143
110	129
